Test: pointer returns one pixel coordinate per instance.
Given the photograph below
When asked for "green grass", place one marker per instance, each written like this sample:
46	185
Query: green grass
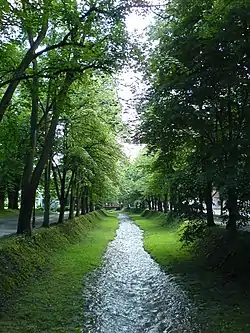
14	213
9	213
206	272
53	302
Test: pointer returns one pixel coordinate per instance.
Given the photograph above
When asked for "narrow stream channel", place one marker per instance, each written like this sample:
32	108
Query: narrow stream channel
130	292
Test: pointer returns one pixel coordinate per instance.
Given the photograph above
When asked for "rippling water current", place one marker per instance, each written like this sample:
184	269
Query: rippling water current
130	293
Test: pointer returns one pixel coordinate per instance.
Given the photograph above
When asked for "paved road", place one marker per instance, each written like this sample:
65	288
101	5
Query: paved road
9	225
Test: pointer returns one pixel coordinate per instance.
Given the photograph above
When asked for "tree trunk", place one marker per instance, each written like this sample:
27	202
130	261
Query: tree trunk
78	206
209	204
78	202
87	204
47	194
71	205
200	203
28	168
171	206
27	203
233	210
165	203
13	197
31	186
91	206
149	204
153	204
34	215
72	199
2	198
62	211
160	208
83	208
27	59
221	205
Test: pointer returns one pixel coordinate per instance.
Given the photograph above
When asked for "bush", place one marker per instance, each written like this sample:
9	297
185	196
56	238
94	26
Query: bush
192	230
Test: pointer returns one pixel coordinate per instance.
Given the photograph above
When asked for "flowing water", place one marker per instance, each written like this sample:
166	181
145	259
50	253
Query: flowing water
131	293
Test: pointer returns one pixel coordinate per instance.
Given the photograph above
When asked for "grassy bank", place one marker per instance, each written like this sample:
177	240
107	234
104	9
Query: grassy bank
215	271
51	296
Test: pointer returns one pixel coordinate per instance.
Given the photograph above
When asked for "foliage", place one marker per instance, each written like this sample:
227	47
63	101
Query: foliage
190	231
194	114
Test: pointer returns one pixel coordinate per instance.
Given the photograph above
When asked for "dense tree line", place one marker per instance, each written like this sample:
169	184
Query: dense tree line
59	112
195	113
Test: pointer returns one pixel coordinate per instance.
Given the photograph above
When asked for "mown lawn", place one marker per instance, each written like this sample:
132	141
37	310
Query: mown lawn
53	302
14	213
9	213
220	294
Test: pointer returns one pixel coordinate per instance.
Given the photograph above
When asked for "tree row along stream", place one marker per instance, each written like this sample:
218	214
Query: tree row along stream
62	131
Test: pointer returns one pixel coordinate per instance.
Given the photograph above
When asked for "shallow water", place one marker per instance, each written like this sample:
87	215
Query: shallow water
130	293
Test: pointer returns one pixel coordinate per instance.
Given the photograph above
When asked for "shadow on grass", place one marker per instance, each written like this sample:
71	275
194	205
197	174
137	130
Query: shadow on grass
215	271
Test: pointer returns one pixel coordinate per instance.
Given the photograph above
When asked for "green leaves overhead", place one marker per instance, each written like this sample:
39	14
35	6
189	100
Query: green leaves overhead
198	96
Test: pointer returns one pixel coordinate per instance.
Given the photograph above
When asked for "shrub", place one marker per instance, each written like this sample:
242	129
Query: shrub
192	230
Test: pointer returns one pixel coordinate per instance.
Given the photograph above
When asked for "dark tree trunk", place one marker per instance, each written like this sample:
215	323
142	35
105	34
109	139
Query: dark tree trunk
83	207
78	207
200	203
71	205
34	215
29	189
153	204
91	206
233	210
78	201
62	211
72	199
2	198
47	194
13	197
27	203
165	203
221	204
160	208
24	226
149	204
209	204
27	59
221	207
87	204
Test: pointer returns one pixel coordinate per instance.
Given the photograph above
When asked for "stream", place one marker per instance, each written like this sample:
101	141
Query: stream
131	293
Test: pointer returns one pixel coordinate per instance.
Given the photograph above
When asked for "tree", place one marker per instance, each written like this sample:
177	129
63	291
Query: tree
100	48
199	94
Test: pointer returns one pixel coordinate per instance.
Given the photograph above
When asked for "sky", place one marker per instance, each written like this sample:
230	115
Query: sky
135	24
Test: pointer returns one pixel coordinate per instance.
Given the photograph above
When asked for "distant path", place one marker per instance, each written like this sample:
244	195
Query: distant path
8	225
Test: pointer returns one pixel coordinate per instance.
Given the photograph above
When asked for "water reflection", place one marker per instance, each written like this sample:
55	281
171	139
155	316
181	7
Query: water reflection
130	293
